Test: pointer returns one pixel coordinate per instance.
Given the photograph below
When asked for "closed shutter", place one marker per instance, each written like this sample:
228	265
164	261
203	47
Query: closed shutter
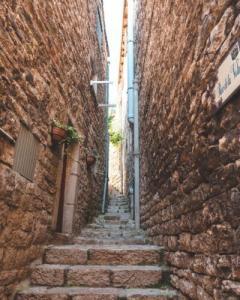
26	154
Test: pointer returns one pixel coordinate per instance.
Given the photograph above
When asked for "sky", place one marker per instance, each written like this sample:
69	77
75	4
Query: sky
113	17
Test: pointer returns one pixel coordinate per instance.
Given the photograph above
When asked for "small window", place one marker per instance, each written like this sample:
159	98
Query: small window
26	154
99	28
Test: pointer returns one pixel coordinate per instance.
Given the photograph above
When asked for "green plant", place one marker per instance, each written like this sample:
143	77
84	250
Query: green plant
72	134
115	136
110	120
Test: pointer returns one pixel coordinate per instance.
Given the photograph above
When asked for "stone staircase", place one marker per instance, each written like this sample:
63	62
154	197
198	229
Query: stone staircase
109	261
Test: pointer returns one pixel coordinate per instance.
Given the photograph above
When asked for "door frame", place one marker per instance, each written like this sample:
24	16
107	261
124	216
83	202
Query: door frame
67	184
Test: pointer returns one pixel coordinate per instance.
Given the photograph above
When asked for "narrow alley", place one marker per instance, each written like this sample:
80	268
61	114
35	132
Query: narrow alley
119	150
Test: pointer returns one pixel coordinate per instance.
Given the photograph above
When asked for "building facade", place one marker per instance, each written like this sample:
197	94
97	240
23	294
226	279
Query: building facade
190	176
50	51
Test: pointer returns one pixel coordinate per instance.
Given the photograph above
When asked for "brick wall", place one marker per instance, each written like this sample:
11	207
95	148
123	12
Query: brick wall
49	52
190	158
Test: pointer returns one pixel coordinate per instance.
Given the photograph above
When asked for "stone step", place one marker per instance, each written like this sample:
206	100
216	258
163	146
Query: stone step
110	241
105	233
123	206
117	210
116	222
99	276
115	217
44	293
125	216
110	226
103	255
119	204
111	229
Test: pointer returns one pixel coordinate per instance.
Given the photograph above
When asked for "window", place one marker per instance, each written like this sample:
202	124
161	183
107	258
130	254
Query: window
26	154
99	28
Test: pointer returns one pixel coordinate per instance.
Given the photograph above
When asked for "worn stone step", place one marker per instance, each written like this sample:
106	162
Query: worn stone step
98	276
103	255
108	230
110	241
119	204
116	222
111	227
122	216
104	233
112	217
108	223
44	293
118	210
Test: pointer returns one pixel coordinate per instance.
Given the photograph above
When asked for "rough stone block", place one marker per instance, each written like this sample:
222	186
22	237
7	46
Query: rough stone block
151	294
136	255
87	276
43	294
48	275
68	255
133	277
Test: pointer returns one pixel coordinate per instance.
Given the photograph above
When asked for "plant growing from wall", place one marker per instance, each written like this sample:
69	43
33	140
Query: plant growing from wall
116	137
71	135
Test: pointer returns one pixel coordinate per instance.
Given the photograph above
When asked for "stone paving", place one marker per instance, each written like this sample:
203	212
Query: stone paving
111	260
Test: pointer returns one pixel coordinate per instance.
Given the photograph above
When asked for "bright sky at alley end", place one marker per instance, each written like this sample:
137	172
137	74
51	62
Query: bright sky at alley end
113	17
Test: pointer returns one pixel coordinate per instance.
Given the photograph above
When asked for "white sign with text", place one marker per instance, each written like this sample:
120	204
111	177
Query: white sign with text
228	76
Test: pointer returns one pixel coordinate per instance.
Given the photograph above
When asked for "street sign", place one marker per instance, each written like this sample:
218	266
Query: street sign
228	76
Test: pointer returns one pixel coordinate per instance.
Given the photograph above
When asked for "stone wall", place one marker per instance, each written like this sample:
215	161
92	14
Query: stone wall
190	157
49	52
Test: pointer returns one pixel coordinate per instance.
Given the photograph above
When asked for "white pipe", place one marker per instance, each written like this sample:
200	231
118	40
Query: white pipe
136	158
92	82
133	110
105	192
130	61
106	105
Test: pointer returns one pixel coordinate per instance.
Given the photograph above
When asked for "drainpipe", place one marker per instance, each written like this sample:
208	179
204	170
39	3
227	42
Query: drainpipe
133	110
136	158
106	180
130	61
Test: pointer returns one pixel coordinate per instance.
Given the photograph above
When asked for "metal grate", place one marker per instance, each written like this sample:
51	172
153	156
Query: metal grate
26	154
